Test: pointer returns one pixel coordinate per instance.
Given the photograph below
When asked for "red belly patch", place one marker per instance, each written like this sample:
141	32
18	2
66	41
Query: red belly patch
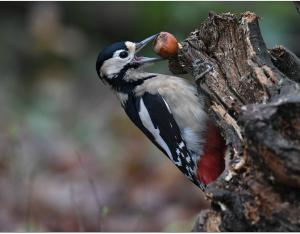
212	162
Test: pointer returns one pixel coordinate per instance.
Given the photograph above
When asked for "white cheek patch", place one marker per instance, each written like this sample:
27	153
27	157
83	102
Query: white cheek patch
111	67
114	65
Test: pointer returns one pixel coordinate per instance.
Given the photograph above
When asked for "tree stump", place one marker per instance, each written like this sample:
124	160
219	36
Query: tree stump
254	97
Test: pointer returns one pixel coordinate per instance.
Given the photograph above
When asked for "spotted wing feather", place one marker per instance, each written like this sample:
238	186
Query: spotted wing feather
152	115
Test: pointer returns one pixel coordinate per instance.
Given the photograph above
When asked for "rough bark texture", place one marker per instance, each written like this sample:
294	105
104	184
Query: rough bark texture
255	99
286	62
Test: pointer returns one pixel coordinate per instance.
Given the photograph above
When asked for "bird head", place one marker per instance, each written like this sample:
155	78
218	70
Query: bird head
114	60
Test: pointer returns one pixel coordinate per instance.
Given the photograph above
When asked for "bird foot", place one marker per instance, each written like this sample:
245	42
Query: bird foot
201	68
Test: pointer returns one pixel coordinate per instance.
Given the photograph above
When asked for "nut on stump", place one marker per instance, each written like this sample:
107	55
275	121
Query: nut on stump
165	45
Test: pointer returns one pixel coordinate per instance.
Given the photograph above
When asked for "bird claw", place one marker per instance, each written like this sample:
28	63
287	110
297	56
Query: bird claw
201	68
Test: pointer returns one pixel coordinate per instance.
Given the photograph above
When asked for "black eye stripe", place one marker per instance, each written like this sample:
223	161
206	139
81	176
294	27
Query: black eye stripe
123	54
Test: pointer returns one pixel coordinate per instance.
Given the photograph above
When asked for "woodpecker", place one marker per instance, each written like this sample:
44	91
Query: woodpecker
167	109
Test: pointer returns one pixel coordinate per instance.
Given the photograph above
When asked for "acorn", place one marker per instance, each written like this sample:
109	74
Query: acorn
165	45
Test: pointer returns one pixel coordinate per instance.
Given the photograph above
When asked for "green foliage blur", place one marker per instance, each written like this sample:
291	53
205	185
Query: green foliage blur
70	160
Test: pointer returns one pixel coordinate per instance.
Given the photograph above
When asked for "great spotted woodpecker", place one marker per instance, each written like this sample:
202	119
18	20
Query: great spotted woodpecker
167	109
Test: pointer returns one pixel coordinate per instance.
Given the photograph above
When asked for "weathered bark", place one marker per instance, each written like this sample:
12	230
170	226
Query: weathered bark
255	99
287	62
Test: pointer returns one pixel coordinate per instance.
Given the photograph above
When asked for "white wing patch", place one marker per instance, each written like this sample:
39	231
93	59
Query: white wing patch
147	122
167	105
179	154
181	145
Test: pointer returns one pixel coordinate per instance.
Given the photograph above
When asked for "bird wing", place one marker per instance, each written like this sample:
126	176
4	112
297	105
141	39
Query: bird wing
152	115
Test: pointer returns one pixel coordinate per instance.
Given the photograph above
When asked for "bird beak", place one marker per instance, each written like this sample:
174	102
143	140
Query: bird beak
143	43
139	46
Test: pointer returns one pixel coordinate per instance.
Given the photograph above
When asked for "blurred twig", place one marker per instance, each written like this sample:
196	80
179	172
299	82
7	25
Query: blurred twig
28	209
139	224
76	210
297	4
94	191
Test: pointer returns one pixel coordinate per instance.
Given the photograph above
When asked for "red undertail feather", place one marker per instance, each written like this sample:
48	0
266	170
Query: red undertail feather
212	162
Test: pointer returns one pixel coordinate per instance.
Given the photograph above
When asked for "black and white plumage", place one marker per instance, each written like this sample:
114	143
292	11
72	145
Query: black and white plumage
167	109
152	115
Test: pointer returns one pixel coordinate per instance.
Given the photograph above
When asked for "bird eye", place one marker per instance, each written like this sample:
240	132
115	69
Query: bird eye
123	54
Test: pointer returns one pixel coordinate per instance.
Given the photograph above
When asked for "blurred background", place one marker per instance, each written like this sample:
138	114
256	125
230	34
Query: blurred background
70	160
